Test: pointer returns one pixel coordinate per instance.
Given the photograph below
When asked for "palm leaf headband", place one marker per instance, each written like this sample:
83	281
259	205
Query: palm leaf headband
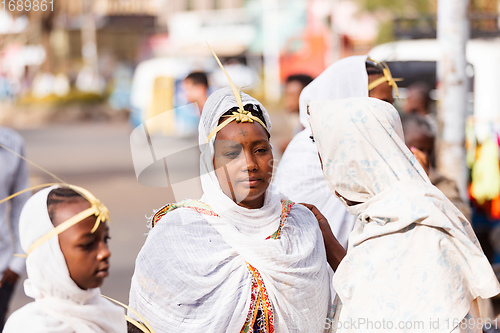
96	207
241	115
387	77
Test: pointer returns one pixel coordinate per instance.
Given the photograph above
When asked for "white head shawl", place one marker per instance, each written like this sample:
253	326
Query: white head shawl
412	255
192	274
60	305
263	221
343	79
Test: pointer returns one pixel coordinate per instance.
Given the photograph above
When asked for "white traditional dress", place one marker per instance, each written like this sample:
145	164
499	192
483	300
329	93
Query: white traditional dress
413	260
213	266
60	305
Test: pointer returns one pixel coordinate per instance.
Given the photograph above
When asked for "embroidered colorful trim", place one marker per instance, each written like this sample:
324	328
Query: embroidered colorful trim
253	309
262	303
195	205
259	299
286	205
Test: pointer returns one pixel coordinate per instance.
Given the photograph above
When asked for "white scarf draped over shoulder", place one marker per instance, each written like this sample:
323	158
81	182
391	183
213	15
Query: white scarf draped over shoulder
200	272
412	256
60	305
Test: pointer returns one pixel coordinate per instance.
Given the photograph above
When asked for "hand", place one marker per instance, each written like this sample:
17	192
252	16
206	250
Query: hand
317	214
421	158
9	277
334	251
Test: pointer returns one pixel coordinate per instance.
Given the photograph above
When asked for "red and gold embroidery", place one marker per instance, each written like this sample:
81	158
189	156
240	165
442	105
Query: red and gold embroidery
261	311
195	205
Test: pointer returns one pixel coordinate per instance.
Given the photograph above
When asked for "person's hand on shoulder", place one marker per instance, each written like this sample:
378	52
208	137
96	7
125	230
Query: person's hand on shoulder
334	251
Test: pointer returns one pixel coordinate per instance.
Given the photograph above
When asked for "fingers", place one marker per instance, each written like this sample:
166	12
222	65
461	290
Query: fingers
320	217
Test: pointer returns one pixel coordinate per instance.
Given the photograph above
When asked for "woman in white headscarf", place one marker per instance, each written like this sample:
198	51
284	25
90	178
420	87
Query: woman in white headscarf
61	305
413	261
227	263
299	174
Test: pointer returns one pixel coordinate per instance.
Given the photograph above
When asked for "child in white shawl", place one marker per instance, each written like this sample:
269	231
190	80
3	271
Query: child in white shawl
413	262
243	258
65	269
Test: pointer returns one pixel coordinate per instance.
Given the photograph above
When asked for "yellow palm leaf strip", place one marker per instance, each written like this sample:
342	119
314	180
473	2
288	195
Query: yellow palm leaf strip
218	128
102	211
137	324
133	311
233	87
33	163
387	77
62	227
26	190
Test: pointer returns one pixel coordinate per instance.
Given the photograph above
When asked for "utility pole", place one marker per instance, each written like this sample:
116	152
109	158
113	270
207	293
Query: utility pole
452	34
89	43
271	50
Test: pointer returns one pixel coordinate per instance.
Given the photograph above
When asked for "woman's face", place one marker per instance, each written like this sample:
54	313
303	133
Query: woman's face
243	163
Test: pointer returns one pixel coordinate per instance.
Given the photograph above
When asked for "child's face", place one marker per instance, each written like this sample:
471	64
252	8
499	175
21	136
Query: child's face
421	141
243	163
86	254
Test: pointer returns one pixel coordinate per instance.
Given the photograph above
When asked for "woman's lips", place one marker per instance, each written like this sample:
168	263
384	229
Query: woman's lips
251	182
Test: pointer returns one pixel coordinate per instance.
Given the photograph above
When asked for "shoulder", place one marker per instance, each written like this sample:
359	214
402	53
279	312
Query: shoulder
301	215
184	211
176	229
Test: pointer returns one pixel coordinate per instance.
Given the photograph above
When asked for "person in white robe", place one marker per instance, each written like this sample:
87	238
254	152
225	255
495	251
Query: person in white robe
212	265
413	262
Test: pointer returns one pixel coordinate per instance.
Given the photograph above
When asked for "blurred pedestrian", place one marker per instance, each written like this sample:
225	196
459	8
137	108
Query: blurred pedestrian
293	87
196	87
420	139
418	99
13	178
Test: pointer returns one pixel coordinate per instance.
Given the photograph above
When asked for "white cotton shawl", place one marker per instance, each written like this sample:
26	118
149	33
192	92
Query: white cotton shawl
299	174
412	255
191	274
60	305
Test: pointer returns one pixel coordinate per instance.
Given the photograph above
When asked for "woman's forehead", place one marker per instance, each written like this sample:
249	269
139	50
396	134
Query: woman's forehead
242	132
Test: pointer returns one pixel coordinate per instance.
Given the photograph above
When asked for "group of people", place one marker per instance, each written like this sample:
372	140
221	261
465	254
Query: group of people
350	231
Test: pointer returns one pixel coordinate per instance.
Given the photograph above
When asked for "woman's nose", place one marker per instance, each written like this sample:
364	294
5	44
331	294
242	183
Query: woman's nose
250	162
